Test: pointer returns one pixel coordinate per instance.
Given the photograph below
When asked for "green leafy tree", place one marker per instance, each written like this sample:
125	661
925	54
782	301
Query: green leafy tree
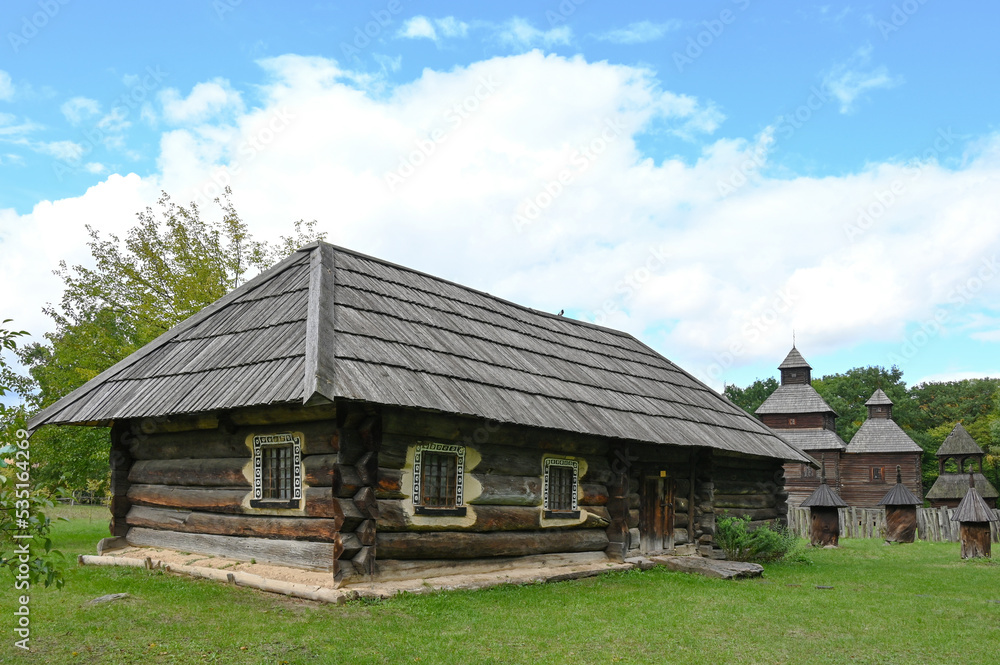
22	507
751	397
169	265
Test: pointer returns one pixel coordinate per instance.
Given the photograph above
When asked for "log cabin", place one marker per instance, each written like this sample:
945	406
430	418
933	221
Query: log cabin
345	414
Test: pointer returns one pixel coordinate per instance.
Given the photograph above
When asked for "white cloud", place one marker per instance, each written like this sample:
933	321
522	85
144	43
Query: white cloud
520	35
849	80
987	336
64	151
95	167
6	87
741	269
640	32
78	109
422	27
206	101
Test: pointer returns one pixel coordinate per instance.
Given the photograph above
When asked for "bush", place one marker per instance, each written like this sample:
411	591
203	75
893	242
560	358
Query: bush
764	544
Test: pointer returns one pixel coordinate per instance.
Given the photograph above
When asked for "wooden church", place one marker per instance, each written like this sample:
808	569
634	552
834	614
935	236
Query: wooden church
856	471
801	416
345	414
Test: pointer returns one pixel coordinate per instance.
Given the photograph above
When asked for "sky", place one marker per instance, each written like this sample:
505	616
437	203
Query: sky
711	177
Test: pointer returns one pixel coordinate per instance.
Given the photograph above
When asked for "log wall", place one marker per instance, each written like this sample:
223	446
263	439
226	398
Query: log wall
186	483
751	487
800	486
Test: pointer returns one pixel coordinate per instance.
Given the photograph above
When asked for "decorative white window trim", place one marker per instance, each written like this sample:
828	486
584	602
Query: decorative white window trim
258	444
445	448
559	461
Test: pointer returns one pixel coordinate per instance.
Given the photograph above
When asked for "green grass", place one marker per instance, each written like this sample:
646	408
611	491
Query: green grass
901	604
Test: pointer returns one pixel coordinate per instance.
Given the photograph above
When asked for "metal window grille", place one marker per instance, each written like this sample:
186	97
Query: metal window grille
438	480
276	472
561	482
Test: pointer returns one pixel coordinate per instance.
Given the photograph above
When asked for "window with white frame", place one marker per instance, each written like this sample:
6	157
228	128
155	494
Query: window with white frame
277	471
438	479
559	488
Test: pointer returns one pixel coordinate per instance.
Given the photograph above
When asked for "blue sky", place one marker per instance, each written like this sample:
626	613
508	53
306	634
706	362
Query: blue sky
754	167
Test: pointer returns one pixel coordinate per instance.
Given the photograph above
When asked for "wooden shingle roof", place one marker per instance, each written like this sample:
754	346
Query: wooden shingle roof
331	323
972	508
794	360
794	399
959	443
878	398
955	485
899	495
823	497
878	435
812	439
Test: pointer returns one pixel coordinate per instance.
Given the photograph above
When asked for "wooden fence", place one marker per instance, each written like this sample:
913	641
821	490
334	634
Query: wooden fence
933	524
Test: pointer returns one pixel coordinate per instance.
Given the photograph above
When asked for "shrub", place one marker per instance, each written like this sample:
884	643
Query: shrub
764	544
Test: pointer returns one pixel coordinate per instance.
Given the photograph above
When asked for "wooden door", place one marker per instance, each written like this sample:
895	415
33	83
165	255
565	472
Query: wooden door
656	515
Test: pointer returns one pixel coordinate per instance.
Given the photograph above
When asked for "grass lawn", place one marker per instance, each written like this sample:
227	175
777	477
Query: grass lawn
902	604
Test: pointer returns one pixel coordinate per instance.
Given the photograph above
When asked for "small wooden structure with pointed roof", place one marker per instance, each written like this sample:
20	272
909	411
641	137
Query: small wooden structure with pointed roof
879	445
802	417
950	486
900	512
974	517
824	505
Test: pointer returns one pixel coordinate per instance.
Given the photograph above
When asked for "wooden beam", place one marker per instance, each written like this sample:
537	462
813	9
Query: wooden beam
260	526
439	545
295	553
212	472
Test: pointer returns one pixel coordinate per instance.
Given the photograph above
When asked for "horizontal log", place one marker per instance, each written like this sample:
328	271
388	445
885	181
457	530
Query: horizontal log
745	501
408	569
350	545
598	470
224	500
502	490
212	472
392	455
319	501
389	484
439	545
283	414
262	526
201	444
393	517
320	470
295	553
753	514
746	487
593	494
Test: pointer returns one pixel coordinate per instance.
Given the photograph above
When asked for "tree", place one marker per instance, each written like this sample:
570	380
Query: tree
847	393
168	266
751	397
30	559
